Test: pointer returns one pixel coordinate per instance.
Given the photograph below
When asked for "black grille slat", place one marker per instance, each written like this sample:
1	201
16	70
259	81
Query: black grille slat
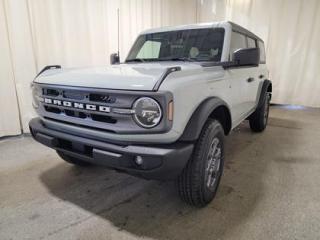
53	109
82	115
51	92
104	98
72	113
74	95
80	125
101	118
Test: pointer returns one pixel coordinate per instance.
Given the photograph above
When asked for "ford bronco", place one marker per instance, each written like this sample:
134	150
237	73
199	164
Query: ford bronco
163	112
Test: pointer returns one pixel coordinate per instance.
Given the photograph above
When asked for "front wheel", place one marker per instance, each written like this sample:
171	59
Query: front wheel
199	181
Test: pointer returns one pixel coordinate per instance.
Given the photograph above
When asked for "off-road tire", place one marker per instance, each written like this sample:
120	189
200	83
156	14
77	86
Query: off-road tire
259	118
73	160
193	181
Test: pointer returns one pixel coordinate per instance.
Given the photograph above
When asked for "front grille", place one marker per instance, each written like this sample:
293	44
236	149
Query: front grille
98	109
101	118
52	109
50	92
86	98
79	125
74	95
81	115
72	113
104	98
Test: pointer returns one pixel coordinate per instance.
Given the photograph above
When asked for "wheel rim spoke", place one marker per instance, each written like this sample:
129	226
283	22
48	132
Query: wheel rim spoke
266	110
213	163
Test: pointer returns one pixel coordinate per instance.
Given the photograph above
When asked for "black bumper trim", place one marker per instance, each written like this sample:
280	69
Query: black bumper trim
163	162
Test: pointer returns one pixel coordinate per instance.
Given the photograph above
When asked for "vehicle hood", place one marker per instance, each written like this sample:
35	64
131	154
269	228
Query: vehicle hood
140	76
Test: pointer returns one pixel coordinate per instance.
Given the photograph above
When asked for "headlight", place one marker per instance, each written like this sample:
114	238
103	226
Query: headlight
36	95
147	112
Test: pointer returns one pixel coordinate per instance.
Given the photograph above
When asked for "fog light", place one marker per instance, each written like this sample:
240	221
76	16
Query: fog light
139	160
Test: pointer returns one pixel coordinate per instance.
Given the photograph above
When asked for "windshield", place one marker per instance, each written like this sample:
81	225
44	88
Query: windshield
183	45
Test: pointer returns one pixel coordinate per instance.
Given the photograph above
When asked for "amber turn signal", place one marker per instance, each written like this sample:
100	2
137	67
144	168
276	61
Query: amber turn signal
170	111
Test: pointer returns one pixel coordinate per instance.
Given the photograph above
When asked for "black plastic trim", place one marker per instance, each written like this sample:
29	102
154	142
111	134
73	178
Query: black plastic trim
221	64
200	116
245	57
162	162
265	85
163	77
47	68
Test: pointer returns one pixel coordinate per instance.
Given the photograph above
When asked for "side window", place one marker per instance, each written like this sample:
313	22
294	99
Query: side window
262	52
251	42
238	41
150	49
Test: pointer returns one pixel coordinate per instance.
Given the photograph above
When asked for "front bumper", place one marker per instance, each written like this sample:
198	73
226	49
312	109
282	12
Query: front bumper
163	162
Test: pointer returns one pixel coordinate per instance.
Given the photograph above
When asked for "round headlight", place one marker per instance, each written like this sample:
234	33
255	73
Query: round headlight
36	94
147	112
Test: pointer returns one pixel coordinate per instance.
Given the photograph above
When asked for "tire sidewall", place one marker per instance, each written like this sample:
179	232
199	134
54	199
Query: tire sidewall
265	106
215	130
257	120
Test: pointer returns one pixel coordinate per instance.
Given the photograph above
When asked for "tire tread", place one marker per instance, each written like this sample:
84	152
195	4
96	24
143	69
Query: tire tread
190	186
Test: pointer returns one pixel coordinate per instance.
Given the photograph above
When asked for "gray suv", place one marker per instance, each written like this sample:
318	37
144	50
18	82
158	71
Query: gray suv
163	112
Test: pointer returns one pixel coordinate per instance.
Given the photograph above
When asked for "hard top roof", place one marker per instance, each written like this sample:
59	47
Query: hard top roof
235	27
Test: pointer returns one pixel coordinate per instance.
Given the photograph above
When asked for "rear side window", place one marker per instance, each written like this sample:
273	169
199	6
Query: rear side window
238	41
251	42
262	52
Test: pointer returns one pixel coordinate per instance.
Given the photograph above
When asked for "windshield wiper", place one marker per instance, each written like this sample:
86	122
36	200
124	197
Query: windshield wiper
185	59
135	60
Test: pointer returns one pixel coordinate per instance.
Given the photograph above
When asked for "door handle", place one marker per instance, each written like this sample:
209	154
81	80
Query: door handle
251	79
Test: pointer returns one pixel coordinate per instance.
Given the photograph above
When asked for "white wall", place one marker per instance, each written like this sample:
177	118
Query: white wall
36	33
291	30
71	33
9	121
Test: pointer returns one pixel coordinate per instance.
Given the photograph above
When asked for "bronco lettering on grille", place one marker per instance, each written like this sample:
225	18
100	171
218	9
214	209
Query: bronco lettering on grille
91	107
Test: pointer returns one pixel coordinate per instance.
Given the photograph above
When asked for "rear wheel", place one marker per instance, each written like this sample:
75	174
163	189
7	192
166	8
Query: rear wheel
199	181
73	160
259	119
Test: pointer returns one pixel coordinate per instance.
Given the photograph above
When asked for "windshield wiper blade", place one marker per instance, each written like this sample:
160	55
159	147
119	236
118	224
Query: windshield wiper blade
135	60
185	59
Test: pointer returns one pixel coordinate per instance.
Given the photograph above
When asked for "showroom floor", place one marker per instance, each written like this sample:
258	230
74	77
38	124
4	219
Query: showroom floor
270	190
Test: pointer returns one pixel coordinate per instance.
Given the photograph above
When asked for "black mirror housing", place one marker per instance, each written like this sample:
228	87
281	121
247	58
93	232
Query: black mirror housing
114	58
247	57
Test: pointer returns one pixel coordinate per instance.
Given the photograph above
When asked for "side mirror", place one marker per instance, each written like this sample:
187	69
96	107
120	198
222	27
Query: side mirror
114	58
247	57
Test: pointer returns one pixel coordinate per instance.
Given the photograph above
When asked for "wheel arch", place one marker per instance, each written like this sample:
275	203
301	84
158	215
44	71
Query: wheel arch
266	88
213	107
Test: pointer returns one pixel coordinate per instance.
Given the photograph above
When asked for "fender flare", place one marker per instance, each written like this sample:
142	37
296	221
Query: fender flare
266	87
200	116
